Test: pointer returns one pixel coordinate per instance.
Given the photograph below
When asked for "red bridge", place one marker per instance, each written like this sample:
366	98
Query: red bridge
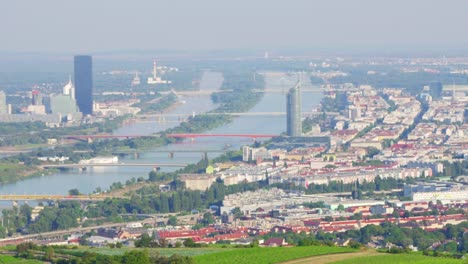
220	135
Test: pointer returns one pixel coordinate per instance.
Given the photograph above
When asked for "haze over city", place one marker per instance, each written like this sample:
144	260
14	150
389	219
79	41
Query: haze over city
103	26
218	132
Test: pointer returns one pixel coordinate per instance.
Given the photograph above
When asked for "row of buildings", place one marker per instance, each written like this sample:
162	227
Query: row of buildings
74	101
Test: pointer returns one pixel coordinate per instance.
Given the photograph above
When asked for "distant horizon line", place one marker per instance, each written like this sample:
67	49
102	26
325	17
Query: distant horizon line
352	50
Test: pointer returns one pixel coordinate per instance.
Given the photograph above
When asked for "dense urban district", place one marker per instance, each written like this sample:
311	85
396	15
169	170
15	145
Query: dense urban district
377	167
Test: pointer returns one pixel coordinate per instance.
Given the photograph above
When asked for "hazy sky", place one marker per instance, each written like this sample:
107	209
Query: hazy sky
100	25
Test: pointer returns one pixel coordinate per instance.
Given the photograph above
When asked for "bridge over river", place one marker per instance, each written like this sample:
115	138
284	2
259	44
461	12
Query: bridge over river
56	197
89	165
305	114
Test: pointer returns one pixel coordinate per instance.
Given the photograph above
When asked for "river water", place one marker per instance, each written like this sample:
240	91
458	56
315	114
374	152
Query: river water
87	181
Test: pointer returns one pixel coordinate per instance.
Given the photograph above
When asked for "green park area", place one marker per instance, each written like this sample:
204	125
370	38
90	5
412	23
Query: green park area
12	260
400	259
268	255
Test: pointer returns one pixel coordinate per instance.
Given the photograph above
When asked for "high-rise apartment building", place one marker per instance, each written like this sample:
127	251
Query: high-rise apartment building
84	84
293	111
3	104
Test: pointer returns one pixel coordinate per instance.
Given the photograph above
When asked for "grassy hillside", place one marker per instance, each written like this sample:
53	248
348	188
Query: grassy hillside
161	251
400	259
267	255
13	260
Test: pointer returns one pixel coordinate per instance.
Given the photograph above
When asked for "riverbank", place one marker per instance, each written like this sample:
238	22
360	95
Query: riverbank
11	173
197	124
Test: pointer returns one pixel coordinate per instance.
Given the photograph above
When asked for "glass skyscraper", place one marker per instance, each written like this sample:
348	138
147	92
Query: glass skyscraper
293	111
84	84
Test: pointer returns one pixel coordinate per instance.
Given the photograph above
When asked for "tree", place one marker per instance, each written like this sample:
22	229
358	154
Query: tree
172	221
144	241
49	255
207	219
153	176
236	212
189	243
340	208
135	257
356	216
74	192
255	243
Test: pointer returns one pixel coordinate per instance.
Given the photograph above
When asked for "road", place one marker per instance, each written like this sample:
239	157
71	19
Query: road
154	217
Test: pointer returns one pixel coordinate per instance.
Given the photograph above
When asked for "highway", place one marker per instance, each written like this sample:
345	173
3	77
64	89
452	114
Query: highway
7	241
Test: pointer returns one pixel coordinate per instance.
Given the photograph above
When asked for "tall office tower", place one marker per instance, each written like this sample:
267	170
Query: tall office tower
293	111
84	84
435	90
3	104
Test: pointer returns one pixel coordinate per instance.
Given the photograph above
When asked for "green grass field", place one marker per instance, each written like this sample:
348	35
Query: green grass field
400	259
267	255
161	251
12	260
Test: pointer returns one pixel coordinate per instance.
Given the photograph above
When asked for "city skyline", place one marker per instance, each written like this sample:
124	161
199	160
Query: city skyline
234	132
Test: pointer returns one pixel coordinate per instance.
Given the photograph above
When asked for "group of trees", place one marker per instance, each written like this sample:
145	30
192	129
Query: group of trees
336	104
379	184
57	255
147	106
241	98
63	216
453	237
454	169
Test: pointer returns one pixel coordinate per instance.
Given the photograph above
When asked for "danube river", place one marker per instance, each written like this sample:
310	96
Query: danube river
87	181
